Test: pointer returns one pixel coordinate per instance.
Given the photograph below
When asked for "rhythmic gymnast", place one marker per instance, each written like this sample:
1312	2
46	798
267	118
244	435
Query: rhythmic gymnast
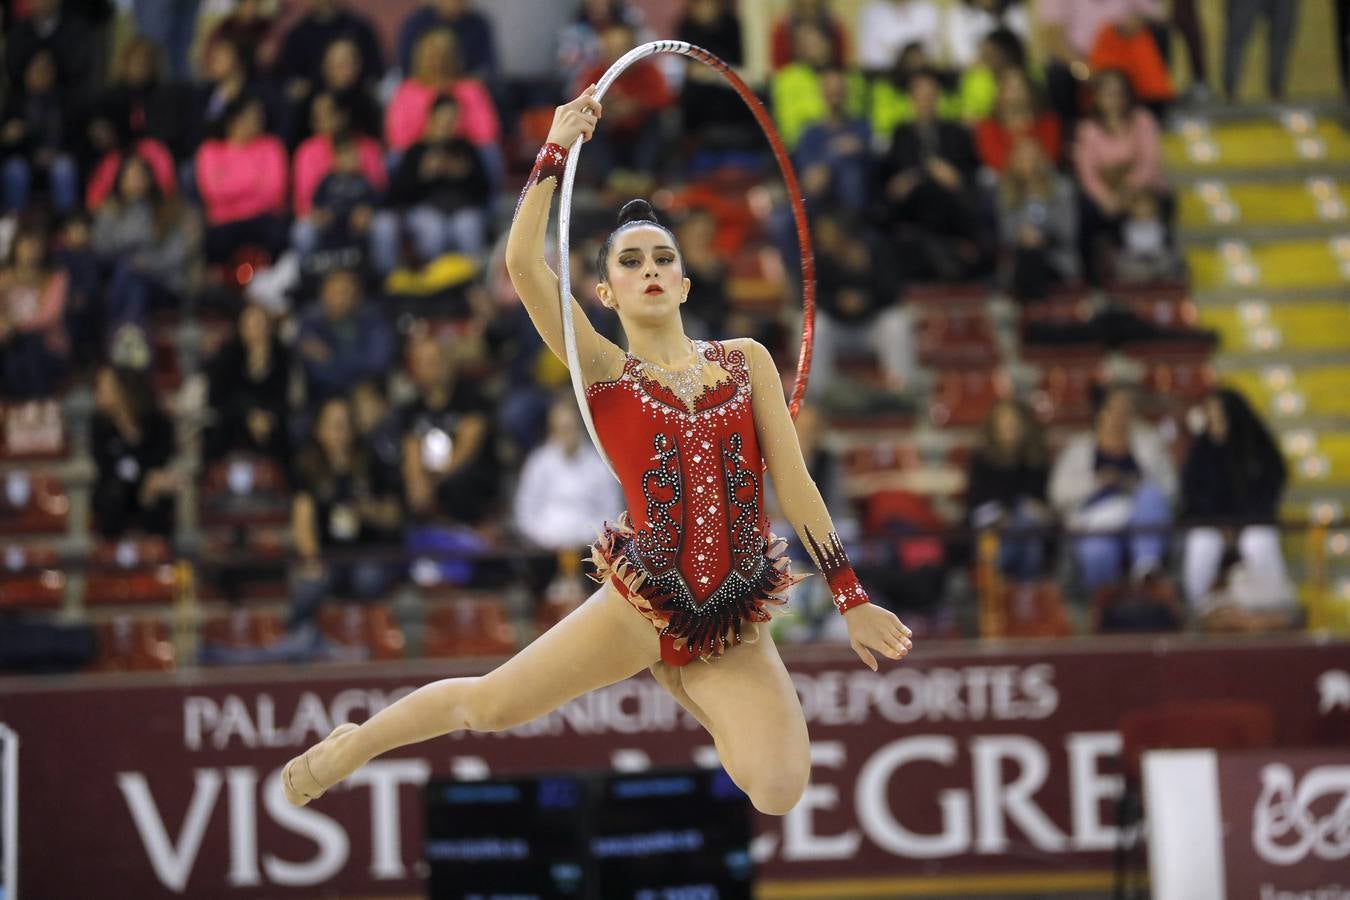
691	571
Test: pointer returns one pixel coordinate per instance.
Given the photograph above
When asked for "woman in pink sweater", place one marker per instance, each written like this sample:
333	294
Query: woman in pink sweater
435	73
34	347
1118	159
242	179
314	157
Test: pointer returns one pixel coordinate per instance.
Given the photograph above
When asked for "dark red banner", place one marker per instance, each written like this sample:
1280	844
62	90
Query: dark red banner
956	762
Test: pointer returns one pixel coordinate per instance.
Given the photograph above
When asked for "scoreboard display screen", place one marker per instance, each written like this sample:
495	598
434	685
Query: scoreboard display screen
667	834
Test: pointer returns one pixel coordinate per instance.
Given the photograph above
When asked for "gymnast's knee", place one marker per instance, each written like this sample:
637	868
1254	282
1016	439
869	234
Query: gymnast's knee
775	792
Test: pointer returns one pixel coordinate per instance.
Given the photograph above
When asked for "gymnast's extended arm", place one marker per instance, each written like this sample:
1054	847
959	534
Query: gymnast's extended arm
869	625
534	281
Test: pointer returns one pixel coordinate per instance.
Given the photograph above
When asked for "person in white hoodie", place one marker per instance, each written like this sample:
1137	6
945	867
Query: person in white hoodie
1116	486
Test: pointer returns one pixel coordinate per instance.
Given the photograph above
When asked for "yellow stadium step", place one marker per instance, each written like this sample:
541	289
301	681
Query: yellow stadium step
1296	326
1301	263
1299	140
1216	203
1282	392
1324	463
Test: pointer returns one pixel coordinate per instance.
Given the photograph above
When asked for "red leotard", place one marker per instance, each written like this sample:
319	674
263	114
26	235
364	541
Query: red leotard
693	553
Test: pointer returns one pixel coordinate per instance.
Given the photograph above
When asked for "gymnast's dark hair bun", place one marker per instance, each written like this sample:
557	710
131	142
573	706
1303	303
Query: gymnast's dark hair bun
638	210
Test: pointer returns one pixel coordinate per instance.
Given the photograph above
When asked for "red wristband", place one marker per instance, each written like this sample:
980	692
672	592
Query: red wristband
839	574
548	163
847	592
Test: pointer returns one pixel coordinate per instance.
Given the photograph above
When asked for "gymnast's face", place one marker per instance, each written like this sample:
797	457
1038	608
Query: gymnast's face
646	275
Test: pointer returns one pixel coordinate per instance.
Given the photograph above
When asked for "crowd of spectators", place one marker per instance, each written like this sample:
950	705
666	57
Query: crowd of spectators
930	147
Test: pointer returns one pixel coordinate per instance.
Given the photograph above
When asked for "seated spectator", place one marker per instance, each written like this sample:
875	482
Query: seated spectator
633	137
242	179
885	27
300	60
343	341
132	442
36	136
833	156
140	104
1230	492
151	243
377	425
472	31
247	27
968	23
449	463
54	27
1000	51
172	25
436	73
705	311
1117	156
336	174
1038	224
579	43
796	94
228	80
858	305
1114	488
1145	253
565	488
1017	114
249	384
1006	488
710	110
1069	28
339	508
928	202
72	250
340	80
817	12
439	194
889	103
34	346
1128	46
104	179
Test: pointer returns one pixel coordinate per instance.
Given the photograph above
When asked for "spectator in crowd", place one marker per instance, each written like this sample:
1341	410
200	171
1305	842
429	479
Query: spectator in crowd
927	198
171	25
705	311
439	194
1130	47
1115	487
1000	51
1117	156
340	80
817	12
889	103
436	73
1006	488
1069	28
1230	492
339	508
150	243
634	135
565	488
796	92
833	155
247	27
709	109
1186	19
72	250
1038	224
967	23
885	27
51	27
228	79
299	63
1145	253
473	33
1241	18
36	137
249	385
1017	114
242	179
449	463
353	161
343	341
579	48
858	305
132	442
140	107
34	346
343	209
377	425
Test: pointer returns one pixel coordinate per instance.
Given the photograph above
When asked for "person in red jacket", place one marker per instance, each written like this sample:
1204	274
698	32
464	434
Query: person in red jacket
636	133
242	178
1018	113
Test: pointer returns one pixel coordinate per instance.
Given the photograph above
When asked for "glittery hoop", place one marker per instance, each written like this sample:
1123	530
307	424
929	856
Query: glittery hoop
794	196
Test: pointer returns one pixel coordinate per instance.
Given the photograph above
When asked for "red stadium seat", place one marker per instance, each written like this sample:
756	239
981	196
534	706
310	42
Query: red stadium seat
1177	371
963	397
244	490
1064	395
32	504
955	334
467	627
32	430
242	628
369	626
134	644
31	577
132	571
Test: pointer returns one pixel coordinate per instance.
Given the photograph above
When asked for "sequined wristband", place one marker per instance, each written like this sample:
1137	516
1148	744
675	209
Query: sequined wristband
549	163
846	590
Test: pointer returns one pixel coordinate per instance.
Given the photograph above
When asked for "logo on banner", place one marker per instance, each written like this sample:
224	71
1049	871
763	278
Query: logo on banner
1294	819
1333	689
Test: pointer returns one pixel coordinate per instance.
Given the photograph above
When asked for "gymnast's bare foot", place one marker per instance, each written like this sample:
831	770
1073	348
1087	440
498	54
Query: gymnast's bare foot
308	775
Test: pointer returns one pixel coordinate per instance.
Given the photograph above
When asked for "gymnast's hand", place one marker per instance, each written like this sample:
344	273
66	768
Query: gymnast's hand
870	625
575	118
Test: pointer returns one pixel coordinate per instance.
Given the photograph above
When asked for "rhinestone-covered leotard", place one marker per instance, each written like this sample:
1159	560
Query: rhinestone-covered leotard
693	553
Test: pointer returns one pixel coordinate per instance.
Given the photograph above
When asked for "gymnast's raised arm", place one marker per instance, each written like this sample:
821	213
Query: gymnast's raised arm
869	625
534	281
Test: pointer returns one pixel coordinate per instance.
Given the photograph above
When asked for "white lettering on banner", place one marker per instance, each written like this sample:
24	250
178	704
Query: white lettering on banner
330	836
252	721
874	810
800	842
1088	787
172	861
907	695
385	777
1333	691
1325	892
994	799
1285	828
243	784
